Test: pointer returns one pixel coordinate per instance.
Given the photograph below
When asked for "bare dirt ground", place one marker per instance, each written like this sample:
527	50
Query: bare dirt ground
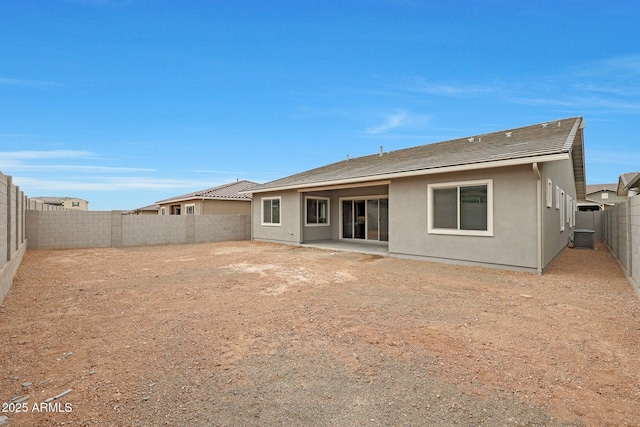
242	333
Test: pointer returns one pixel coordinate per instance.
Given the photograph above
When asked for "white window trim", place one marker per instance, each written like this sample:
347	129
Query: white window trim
186	209
557	197
328	223
270	224
549	193
569	216
163	211
562	208
432	230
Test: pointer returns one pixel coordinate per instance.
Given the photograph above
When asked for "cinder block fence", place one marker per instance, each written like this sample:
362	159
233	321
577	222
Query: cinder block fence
105	229
12	231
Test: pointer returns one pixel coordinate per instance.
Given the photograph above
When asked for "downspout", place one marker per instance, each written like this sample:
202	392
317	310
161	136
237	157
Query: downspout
536	171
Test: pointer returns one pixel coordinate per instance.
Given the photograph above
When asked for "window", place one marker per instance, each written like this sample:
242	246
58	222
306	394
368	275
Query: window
190	209
163	211
605	196
317	210
75	204
557	197
271	211
549	193
461	208
569	215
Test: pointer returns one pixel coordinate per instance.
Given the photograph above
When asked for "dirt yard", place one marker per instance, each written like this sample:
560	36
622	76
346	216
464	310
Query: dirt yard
246	333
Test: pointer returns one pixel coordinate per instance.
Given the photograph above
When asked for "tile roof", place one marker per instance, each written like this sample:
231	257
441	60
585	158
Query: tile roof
595	188
556	137
627	181
231	191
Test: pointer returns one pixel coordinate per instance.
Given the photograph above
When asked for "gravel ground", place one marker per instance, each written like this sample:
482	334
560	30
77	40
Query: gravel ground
243	333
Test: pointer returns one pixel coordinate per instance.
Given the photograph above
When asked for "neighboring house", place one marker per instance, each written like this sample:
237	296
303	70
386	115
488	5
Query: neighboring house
225	199
145	210
65	202
629	184
600	197
504	199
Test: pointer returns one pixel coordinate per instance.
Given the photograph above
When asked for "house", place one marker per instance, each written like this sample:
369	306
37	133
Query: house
226	199
600	197
145	210
628	184
505	199
65	202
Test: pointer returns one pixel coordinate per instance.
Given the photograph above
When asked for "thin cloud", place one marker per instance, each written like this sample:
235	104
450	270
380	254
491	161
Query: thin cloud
45	154
26	82
398	120
106	184
392	121
421	85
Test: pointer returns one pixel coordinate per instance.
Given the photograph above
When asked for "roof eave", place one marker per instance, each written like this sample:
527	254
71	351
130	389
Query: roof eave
420	172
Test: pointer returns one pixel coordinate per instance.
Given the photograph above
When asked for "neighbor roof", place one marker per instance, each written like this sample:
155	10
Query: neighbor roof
627	181
541	142
596	188
231	191
55	200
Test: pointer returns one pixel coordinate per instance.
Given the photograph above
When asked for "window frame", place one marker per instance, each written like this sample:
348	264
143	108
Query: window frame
271	198
306	216
549	193
562	208
193	210
458	231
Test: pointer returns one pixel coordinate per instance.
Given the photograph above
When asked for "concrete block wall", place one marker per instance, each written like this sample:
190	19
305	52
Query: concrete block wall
85	229
140	230
67	229
12	232
216	228
621	231
634	231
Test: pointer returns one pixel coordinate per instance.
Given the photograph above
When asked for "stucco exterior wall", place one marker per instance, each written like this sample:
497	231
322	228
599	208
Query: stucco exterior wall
210	207
290	228
226	207
513	244
554	239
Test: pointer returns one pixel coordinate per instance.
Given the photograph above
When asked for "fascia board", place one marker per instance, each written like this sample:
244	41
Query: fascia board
421	172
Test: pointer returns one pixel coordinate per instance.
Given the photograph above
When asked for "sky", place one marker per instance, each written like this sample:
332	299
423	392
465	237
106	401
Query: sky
127	102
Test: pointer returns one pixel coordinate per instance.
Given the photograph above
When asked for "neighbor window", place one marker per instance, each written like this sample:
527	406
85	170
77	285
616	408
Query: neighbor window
271	211
461	208
317	210
163	211
75	204
190	209
605	195
549	193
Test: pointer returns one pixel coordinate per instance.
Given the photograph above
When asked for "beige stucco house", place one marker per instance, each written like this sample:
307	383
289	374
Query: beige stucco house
227	199
505	199
64	202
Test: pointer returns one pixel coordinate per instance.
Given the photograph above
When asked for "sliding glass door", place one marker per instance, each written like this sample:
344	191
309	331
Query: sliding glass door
366	219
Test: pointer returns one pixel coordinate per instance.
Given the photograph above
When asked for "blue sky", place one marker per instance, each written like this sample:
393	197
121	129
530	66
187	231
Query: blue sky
127	102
